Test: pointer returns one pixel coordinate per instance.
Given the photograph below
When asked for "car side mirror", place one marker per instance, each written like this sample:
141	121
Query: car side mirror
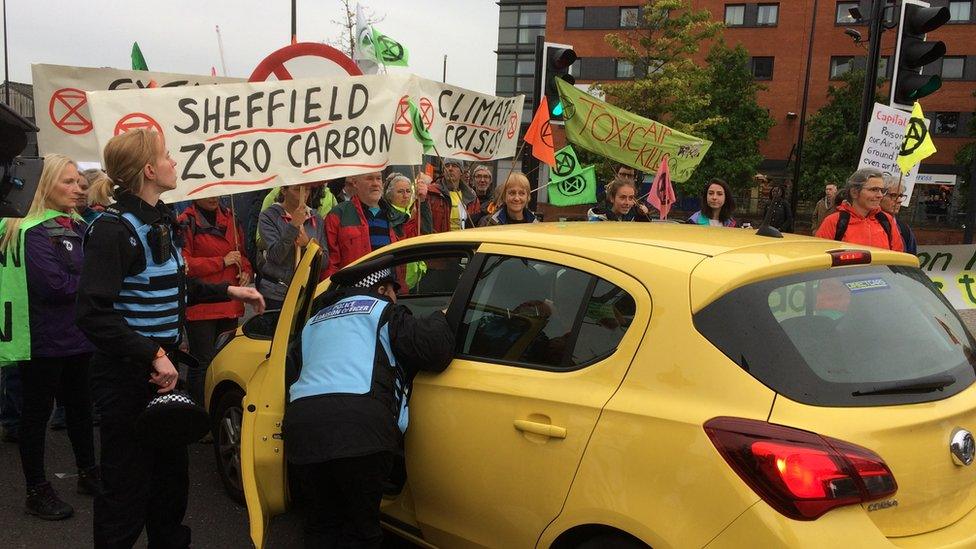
262	326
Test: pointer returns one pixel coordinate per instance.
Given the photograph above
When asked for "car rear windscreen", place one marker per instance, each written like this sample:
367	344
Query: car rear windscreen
854	336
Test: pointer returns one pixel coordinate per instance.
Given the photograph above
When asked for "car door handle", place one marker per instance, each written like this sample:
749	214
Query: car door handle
543	429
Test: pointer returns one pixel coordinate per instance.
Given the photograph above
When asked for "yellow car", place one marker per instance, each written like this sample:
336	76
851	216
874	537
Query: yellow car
634	385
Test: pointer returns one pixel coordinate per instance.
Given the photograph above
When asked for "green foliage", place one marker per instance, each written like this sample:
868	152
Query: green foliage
831	149
739	125
667	80
966	154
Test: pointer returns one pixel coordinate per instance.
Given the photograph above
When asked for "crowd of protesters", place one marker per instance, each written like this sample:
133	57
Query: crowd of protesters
115	277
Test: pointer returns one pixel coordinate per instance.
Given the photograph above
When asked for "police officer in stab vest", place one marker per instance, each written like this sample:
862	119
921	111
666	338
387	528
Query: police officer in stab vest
347	410
131	302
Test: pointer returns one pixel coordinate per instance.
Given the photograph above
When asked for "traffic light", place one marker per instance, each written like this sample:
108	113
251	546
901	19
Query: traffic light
557	62
912	52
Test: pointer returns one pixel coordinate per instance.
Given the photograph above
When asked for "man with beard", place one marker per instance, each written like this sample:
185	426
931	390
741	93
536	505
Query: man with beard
453	203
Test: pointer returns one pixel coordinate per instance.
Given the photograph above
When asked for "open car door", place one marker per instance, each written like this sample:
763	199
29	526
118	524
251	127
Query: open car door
263	465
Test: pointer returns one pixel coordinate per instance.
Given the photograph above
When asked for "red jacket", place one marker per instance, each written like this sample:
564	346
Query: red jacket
204	249
863	230
348	234
441	205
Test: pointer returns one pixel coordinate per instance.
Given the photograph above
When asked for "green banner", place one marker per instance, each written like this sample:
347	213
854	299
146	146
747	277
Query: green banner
622	136
15	340
579	188
420	131
389	51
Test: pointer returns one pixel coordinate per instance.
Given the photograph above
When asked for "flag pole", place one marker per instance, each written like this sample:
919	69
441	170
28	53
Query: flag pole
233	230
518	154
220	48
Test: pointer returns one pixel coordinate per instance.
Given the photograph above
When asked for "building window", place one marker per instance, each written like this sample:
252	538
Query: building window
960	11
625	69
532	18
883	67
945	123
735	15
574	18
629	17
515	74
953	68
520	25
768	15
844	16
762	68
839	66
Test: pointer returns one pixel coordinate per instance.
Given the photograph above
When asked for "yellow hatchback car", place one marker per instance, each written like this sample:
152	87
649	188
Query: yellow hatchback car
634	385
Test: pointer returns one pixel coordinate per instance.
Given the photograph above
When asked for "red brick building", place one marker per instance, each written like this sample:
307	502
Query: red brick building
776	34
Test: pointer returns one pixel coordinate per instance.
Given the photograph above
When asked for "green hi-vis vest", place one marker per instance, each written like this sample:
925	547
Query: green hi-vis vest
15	341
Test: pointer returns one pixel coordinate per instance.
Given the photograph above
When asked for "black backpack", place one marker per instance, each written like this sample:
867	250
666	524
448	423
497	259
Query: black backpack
845	219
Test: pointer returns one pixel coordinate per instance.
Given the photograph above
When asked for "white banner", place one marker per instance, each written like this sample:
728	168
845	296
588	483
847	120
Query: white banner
886	132
953	269
61	108
233	138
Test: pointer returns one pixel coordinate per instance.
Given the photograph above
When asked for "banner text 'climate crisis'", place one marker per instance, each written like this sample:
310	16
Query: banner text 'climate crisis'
474	124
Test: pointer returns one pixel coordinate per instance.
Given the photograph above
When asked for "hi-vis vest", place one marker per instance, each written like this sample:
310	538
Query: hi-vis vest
346	350
149	301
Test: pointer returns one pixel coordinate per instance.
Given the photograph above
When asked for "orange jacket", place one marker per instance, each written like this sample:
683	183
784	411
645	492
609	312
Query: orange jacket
204	249
863	230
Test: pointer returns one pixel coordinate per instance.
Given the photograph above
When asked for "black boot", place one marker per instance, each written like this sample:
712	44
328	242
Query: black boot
43	502
90	481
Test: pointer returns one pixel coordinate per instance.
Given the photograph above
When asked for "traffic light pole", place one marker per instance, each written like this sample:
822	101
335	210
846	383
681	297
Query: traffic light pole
871	76
967	237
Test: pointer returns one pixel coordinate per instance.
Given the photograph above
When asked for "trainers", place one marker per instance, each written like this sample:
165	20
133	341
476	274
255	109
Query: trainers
90	481
43	502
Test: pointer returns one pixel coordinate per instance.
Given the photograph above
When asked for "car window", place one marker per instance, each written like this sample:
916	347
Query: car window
845	337
427	284
538	314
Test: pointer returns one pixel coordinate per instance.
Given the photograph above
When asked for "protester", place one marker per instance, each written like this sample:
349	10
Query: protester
130	302
284	229
211	249
348	409
411	200
365	223
484	189
891	204
621	204
718	205
98	195
319	198
777	212
453	202
511	201
623	173
859	218
825	206
50	239
11	402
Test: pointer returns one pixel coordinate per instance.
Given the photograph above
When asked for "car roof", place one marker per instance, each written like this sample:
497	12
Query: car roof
730	258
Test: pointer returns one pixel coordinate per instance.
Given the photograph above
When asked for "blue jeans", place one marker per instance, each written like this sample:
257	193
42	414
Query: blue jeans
11	397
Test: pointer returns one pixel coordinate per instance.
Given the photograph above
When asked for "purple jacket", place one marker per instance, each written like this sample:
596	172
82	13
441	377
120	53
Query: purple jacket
54	256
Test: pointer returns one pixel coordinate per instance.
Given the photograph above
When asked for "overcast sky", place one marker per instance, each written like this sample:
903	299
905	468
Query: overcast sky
178	35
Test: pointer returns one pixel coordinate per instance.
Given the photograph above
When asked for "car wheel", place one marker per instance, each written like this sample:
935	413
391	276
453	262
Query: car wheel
611	542
226	428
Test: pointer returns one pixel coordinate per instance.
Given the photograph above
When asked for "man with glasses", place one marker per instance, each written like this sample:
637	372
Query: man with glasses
891	203
859	218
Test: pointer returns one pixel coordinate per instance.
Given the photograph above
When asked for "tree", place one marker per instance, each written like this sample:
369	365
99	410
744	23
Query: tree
665	37
739	123
346	40
966	155
831	151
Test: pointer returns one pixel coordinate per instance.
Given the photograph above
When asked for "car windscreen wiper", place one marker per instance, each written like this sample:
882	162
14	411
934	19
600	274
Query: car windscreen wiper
921	385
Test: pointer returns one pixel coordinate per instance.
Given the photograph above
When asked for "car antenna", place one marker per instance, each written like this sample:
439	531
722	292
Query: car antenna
765	229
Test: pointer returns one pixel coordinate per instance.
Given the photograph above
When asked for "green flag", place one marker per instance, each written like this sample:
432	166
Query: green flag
575	189
15	340
138	61
622	136
420	131
388	51
567	164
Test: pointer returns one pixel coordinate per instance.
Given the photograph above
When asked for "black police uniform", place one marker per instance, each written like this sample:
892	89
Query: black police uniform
131	302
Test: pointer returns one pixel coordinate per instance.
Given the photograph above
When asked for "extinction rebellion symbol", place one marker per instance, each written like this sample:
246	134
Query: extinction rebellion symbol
565	164
572	186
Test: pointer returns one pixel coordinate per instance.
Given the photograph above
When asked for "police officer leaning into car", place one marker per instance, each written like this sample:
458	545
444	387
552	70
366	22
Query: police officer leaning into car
131	303
347	411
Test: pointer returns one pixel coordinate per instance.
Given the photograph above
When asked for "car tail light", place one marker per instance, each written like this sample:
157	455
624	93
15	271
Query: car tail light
840	258
800	474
